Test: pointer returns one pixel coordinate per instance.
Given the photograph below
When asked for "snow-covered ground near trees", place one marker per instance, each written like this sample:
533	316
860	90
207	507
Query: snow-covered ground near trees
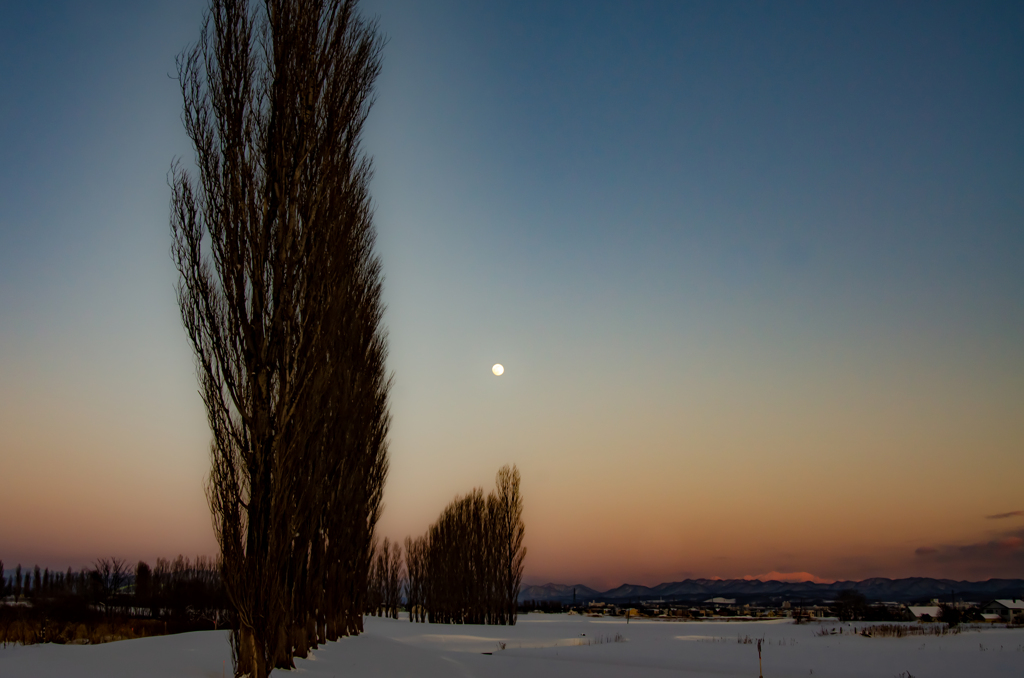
543	646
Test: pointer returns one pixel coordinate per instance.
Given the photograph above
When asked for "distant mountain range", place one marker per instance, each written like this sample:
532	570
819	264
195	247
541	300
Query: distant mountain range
745	590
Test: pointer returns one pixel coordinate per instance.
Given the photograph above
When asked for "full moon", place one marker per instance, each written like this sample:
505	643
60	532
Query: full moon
498	370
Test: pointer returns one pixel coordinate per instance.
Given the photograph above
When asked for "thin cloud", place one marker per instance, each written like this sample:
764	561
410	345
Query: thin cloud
1008	548
1000	516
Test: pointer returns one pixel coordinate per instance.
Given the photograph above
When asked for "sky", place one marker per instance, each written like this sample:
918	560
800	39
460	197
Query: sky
753	270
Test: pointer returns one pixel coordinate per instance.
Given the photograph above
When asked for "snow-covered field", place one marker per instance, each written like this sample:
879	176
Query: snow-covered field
543	646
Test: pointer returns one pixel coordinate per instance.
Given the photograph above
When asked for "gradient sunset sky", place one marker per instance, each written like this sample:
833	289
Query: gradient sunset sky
755	272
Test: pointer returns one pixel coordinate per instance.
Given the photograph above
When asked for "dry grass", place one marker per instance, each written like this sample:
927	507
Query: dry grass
601	640
903	630
32	631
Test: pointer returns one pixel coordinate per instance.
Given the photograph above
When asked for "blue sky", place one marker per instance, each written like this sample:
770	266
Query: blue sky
736	258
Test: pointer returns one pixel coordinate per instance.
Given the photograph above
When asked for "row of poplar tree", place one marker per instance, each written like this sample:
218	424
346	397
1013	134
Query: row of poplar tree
466	569
38	583
280	295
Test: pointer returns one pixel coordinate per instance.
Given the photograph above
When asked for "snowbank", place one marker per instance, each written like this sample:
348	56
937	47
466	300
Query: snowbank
543	646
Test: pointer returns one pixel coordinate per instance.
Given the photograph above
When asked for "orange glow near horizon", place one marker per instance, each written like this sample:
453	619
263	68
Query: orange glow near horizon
618	488
615	491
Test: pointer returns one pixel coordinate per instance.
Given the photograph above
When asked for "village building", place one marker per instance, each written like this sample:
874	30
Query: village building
1009	610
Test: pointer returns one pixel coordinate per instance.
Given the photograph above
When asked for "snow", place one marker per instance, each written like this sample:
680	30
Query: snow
543	646
933	611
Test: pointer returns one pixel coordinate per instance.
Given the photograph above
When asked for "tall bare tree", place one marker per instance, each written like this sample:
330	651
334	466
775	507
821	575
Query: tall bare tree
510	531
280	297
416	577
384	587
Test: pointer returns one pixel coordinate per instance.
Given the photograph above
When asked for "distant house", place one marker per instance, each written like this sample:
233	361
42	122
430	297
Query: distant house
921	611
1008	609
720	601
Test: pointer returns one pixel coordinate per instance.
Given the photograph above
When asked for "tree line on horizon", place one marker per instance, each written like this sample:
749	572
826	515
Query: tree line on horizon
111	586
53	606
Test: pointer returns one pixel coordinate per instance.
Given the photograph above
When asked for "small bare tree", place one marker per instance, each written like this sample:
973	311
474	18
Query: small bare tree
109	575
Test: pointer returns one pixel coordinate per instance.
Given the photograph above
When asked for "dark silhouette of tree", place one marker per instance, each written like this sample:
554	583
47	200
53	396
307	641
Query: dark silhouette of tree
851	605
144	586
393	580
416	577
109	577
950	615
17	583
280	297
